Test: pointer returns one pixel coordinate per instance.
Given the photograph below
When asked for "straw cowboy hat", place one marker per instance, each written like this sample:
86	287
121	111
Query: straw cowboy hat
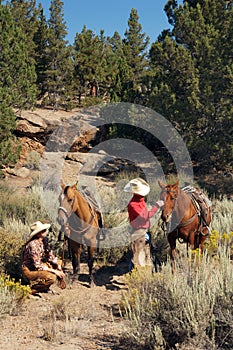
137	186
37	227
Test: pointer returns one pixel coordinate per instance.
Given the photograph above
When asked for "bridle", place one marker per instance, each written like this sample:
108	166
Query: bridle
175	198
181	224
68	215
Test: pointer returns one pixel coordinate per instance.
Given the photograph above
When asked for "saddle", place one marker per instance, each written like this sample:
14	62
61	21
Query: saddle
200	201
93	204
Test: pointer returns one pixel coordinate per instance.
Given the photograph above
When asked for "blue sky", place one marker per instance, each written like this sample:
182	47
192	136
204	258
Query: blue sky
111	16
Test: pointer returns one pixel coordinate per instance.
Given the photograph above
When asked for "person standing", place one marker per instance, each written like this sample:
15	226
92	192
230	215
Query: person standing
40	266
139	217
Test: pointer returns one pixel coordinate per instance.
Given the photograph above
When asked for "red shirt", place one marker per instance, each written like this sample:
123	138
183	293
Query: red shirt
139	215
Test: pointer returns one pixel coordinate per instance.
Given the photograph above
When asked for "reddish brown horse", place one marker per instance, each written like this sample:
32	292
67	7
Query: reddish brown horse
185	219
80	222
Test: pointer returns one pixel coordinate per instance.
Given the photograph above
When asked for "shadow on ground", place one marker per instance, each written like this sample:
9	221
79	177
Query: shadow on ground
107	276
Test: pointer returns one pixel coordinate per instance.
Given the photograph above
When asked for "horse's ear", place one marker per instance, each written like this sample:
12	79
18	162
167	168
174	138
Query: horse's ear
63	184
161	184
176	184
75	185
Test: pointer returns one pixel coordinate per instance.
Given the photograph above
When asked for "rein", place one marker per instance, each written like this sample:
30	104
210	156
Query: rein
68	215
73	229
181	224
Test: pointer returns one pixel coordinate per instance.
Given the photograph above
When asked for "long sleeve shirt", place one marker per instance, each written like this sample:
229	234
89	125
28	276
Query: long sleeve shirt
139	215
37	252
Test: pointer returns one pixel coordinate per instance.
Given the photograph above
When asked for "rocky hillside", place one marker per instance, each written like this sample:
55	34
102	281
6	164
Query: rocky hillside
42	129
38	129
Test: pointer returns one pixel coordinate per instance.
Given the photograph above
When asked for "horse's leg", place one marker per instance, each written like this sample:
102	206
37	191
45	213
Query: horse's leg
76	249
202	237
172	243
193	240
205	230
91	251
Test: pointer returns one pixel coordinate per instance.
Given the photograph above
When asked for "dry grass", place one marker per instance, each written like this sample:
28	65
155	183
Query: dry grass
189	309
192	306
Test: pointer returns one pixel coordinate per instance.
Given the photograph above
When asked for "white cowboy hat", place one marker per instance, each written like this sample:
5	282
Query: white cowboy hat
137	186
37	227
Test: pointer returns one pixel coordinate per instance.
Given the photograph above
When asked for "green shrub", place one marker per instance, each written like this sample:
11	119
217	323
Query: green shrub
33	160
11	245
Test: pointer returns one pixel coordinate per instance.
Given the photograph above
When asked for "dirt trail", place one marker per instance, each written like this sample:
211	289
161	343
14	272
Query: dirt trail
78	317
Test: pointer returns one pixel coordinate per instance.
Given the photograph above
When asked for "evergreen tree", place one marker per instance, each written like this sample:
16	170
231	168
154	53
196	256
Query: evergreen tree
191	70
16	59
59	73
25	16
121	70
11	53
41	59
135	45
113	67
89	61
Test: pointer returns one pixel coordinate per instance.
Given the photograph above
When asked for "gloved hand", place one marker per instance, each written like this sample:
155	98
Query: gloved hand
160	203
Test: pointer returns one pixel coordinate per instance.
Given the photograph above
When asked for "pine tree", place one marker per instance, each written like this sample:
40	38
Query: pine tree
59	73
135	45
121	70
89	61
41	59
12	50
25	16
16	59
191	70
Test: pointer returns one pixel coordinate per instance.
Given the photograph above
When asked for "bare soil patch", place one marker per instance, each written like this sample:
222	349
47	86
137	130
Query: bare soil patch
79	317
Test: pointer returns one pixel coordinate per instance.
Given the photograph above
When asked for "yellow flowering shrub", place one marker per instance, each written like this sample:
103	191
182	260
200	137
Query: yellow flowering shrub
217	240
12	294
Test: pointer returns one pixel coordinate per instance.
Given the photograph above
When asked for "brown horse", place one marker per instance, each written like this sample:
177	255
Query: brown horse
80	222
186	220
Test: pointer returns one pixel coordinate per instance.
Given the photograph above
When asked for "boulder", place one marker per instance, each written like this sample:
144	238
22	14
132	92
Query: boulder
19	172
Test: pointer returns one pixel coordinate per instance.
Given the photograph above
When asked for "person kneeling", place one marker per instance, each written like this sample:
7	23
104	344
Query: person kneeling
40	266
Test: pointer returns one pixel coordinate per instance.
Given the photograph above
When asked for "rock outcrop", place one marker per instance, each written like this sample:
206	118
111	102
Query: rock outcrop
42	129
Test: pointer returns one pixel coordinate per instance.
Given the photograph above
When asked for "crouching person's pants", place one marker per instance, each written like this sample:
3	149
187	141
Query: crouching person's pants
40	280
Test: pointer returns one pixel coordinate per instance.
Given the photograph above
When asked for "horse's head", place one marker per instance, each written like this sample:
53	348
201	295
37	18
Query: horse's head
66	203
169	195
